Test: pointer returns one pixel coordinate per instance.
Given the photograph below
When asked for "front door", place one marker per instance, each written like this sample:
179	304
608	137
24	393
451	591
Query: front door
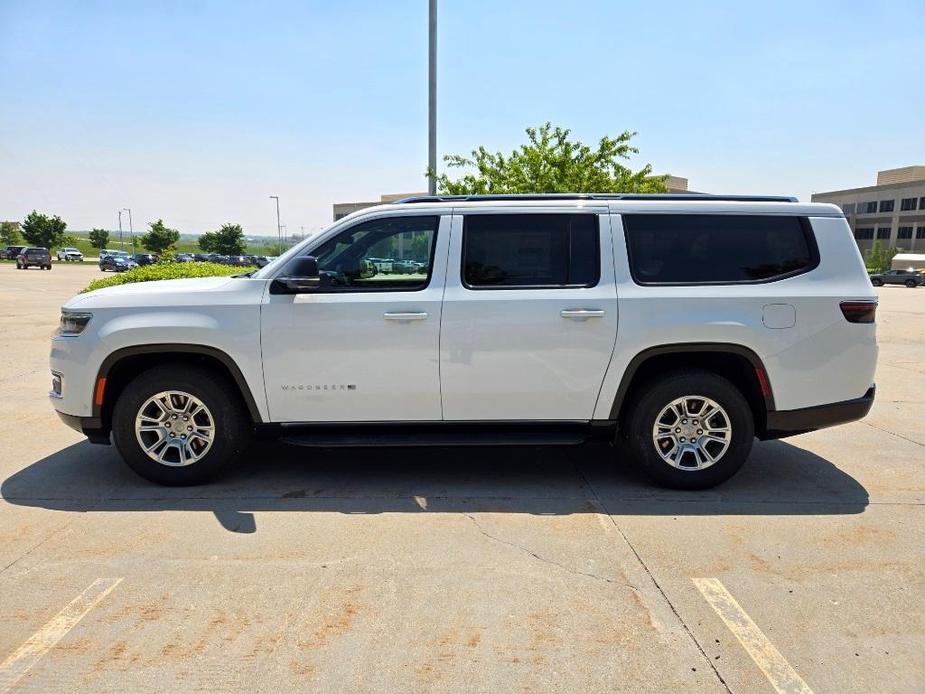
529	315
363	347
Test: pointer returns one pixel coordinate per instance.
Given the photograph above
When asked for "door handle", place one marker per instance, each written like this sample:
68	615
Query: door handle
582	313
405	316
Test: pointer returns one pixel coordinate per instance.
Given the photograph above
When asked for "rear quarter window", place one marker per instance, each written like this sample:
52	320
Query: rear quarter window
718	249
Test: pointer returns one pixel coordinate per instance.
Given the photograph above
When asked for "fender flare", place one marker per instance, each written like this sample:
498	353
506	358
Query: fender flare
685	347
177	348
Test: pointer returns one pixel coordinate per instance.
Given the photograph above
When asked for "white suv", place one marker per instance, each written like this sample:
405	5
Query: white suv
70	254
684	325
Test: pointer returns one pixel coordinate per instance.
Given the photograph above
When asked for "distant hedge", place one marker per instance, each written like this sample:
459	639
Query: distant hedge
166	271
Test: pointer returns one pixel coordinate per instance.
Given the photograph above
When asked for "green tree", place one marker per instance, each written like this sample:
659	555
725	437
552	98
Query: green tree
879	259
99	238
159	237
229	240
9	233
42	230
550	162
207	242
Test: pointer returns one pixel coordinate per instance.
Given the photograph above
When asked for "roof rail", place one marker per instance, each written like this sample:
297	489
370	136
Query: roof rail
705	197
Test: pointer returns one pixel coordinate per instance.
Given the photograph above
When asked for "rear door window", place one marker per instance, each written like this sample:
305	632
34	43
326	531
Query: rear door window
717	249
530	251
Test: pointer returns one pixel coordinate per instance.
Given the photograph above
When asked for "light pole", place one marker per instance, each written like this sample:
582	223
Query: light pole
131	228
432	97
279	229
121	245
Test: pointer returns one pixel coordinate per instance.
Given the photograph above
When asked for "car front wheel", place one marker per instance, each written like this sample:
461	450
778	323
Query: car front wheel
910	284
691	429
180	425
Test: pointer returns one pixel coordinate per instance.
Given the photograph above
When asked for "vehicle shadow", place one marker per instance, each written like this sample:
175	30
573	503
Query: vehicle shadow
778	479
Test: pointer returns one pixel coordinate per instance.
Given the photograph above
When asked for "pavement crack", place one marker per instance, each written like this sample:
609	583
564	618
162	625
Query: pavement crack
40	543
893	433
596	500
536	556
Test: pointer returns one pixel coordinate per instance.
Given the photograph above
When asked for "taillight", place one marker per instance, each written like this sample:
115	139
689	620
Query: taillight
859	311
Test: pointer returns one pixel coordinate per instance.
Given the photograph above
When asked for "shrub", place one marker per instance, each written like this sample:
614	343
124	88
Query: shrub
166	271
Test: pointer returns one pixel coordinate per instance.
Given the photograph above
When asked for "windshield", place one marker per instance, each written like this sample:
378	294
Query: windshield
270	268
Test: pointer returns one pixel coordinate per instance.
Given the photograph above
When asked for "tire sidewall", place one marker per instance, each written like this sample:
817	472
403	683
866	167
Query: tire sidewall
232	426
672	387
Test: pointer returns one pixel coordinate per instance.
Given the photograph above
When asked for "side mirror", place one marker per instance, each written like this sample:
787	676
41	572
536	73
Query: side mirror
300	275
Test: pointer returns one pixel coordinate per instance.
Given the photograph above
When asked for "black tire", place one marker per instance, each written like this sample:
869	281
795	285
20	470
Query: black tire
910	284
233	426
674	385
877	283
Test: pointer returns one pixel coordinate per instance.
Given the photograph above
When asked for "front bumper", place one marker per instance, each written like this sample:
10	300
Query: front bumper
91	427
791	422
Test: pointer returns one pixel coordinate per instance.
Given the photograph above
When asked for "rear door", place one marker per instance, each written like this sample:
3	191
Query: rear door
529	314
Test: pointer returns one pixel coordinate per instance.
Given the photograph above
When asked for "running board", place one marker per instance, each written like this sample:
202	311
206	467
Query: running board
488	434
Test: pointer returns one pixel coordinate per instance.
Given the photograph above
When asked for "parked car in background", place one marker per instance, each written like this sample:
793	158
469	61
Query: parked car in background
33	257
70	255
10	252
107	252
910	278
145	258
202	257
263	260
117	263
184	258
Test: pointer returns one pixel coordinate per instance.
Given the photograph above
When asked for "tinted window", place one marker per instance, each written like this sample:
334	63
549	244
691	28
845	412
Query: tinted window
883	232
696	249
531	250
386	254
907	204
864	233
904	233
886	205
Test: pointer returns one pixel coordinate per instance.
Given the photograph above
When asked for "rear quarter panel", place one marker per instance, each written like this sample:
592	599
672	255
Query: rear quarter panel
820	359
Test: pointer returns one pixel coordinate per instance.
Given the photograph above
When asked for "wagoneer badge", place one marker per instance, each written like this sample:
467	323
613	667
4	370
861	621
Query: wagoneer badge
337	386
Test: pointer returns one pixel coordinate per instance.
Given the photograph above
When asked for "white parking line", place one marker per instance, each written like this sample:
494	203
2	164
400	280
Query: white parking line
23	658
774	666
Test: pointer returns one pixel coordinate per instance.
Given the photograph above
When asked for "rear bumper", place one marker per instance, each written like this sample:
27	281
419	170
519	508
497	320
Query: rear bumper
791	422
91	427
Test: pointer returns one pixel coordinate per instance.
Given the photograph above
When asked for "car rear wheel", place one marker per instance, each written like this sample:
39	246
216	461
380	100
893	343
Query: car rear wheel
877	283
910	284
180	425
691	429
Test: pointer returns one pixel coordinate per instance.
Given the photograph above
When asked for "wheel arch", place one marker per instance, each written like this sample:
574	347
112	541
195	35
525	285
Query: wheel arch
739	364
119	367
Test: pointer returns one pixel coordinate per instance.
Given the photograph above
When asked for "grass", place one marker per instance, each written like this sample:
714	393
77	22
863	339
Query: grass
166	271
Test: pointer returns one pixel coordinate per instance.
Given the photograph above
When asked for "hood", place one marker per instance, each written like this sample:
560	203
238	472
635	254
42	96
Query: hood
183	292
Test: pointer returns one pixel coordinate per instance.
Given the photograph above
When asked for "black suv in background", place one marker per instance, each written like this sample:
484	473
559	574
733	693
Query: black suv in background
145	258
910	278
10	252
34	257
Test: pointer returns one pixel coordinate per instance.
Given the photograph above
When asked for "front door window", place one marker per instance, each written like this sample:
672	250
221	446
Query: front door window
387	254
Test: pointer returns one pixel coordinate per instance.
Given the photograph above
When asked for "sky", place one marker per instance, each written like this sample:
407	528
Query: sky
197	111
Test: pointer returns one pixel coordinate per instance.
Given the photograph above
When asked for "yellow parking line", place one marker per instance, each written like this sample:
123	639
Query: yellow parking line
774	666
23	658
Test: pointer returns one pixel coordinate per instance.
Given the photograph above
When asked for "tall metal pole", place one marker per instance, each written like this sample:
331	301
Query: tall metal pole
131	228
121	245
432	97
279	229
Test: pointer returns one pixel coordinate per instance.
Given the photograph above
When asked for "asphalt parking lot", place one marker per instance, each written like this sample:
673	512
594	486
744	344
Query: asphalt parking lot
443	570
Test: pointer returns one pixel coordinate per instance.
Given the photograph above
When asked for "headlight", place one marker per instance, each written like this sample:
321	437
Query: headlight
73	323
